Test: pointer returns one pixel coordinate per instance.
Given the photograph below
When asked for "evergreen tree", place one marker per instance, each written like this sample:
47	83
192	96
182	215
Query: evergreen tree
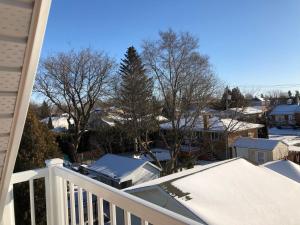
135	98
290	94
44	110
226	99
37	145
237	98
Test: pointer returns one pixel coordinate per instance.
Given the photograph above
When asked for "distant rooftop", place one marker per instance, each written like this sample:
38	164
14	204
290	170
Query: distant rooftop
256	143
285	109
117	167
215	124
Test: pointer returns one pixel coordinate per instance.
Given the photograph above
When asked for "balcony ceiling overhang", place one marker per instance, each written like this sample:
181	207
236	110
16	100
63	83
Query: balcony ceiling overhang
22	28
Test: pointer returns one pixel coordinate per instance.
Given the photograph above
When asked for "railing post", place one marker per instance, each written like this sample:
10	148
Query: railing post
54	194
8	217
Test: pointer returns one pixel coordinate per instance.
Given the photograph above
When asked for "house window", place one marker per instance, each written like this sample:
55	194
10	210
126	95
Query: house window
260	157
216	136
200	135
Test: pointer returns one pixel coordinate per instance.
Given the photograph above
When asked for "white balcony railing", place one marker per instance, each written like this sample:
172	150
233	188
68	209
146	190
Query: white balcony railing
75	199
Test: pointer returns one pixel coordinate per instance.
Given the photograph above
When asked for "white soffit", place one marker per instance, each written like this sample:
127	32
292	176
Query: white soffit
22	28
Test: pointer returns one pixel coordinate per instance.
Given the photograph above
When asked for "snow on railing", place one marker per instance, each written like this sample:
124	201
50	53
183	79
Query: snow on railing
75	199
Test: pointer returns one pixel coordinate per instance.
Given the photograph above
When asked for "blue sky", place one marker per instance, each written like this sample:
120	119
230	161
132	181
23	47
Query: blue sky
254	42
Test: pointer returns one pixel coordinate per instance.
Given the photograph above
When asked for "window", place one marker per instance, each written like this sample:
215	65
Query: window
216	136
260	157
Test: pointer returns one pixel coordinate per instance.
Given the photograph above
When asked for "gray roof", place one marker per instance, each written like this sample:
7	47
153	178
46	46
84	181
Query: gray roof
117	167
256	143
285	110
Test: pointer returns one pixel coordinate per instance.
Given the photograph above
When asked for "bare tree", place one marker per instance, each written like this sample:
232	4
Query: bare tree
184	81
73	82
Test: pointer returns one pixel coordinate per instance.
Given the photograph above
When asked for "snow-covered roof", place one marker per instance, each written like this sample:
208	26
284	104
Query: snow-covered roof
232	192
285	168
215	124
285	109
258	98
290	137
60	123
256	143
117	167
251	110
161	155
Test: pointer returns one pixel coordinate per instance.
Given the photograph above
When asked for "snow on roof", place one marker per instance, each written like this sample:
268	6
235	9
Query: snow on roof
161	118
161	155
285	168
215	124
233	192
256	143
248	110
290	137
59	122
258	98
285	109
117	167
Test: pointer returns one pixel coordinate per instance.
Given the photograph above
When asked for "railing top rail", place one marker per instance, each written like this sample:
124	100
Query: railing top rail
141	208
28	175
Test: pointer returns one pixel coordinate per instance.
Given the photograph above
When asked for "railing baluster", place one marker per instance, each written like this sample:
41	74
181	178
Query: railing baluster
100	211
66	201
112	208
90	208
80	207
32	208
127	217
144	222
72	204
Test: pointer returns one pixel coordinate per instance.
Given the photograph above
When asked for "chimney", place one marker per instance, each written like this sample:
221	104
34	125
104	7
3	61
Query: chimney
205	121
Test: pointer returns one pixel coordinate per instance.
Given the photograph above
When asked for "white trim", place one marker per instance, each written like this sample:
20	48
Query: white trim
32	54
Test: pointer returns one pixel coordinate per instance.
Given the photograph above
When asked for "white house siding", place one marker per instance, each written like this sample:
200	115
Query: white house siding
279	152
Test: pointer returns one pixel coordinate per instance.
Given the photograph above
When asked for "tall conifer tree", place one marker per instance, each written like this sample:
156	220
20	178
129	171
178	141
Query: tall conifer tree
135	98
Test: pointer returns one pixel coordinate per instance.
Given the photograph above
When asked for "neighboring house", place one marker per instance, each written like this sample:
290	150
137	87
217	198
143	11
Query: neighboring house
214	134
259	150
286	168
162	155
121	172
102	118
229	192
59	123
259	101
251	113
285	115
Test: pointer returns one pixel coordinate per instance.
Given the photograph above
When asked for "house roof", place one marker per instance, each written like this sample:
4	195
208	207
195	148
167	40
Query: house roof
215	124
60	123
232	192
251	110
118	167
285	168
256	143
160	154
22	28
285	109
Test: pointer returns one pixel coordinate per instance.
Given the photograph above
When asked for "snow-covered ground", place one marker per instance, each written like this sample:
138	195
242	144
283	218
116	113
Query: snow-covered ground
289	136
